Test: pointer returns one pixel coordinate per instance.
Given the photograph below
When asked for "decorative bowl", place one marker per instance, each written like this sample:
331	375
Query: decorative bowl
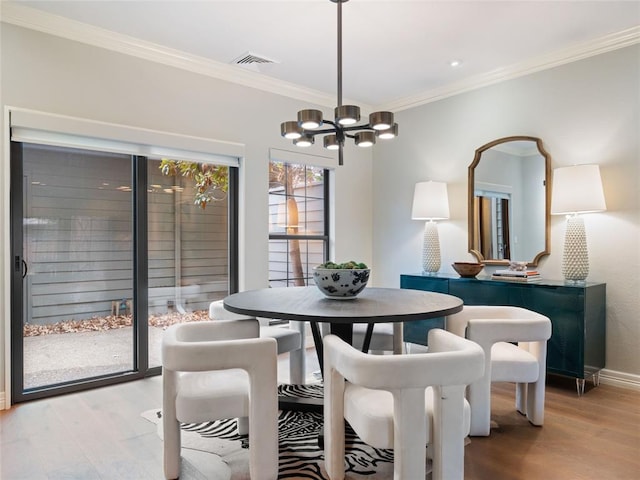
467	269
339	283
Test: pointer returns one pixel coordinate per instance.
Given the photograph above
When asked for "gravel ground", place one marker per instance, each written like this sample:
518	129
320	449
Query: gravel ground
75	350
79	350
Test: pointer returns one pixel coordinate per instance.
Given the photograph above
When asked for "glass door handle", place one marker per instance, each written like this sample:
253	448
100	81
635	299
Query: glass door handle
20	265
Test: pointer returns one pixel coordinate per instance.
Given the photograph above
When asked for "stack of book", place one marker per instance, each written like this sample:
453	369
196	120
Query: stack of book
516	275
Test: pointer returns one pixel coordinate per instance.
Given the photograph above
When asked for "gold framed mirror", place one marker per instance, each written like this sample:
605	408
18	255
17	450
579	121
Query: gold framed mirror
509	196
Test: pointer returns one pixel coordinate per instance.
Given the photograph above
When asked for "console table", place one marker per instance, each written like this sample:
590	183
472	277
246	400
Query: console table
577	312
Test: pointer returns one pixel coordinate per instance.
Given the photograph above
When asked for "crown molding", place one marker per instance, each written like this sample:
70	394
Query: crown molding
38	20
594	47
70	29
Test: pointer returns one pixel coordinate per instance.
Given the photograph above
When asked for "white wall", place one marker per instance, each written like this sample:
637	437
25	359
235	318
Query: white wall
50	74
585	112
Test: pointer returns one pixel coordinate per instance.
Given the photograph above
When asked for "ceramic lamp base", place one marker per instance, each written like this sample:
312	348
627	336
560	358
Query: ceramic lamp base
431	248
575	258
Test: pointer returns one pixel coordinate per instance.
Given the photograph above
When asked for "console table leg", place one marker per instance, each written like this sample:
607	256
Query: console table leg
596	379
580	386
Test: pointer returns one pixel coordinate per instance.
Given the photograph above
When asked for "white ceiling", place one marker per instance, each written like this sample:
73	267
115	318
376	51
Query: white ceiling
394	52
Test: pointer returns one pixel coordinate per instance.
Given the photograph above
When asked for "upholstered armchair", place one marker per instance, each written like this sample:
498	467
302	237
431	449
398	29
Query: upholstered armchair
404	402
217	370
288	339
386	337
493	328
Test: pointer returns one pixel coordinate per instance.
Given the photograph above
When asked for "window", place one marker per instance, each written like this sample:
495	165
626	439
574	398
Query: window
298	222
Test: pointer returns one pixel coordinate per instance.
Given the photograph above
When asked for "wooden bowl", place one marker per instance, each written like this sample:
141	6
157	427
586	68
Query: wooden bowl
467	269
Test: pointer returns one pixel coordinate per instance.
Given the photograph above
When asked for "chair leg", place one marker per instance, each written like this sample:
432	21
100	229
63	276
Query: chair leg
535	402
536	390
297	366
521	397
298	358
397	338
447	444
410	435
171	448
334	425
479	395
243	425
170	426
263	422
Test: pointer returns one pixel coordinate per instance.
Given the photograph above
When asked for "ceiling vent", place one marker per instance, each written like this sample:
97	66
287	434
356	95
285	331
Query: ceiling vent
253	61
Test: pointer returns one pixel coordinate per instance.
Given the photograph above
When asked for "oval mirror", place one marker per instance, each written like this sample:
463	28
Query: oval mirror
509	201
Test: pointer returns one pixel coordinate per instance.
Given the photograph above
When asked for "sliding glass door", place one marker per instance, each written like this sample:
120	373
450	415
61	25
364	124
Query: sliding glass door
108	250
73	243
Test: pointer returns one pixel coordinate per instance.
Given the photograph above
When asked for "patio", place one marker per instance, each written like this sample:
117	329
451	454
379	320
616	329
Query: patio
98	347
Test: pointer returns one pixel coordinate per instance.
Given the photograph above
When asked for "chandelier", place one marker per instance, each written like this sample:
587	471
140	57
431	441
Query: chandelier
346	118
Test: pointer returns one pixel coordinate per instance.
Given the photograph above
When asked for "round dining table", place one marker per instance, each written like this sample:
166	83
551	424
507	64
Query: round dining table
373	305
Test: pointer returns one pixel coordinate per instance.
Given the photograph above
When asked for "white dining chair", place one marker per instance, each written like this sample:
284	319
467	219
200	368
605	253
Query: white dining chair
289	338
404	402
386	337
215	370
494	328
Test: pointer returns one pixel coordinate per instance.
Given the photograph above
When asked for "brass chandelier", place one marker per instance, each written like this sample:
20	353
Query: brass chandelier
346	118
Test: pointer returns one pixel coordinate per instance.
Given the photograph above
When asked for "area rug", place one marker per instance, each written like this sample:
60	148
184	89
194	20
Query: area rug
217	448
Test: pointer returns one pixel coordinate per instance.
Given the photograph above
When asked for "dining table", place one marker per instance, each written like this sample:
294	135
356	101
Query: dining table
308	304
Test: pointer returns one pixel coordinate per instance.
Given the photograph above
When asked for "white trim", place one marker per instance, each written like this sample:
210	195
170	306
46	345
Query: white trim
34	19
483	187
597	46
6	255
620	379
98	37
2	402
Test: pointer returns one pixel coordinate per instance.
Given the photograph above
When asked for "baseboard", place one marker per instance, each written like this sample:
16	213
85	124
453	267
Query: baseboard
620	379
2	403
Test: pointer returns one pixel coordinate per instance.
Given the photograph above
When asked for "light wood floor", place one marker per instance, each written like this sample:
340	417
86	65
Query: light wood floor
596	436
100	435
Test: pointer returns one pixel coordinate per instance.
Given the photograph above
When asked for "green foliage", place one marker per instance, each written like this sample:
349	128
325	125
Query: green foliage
207	178
211	178
292	176
351	265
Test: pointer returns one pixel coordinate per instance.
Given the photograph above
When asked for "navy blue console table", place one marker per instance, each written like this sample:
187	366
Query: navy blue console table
577	312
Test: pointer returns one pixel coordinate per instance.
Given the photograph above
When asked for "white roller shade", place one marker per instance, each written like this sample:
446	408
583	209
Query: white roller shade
58	130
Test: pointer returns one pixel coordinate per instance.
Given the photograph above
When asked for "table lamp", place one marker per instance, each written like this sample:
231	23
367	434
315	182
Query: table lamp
430	202
576	189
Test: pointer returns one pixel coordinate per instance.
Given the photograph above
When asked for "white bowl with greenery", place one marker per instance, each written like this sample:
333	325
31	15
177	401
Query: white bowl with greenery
341	280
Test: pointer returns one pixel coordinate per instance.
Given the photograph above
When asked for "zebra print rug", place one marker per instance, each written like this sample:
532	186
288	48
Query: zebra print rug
300	457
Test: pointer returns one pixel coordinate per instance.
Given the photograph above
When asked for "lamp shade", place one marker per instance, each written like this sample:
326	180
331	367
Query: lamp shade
430	201
577	189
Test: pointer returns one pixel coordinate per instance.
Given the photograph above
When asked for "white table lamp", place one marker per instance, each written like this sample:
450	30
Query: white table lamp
430	202
576	189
